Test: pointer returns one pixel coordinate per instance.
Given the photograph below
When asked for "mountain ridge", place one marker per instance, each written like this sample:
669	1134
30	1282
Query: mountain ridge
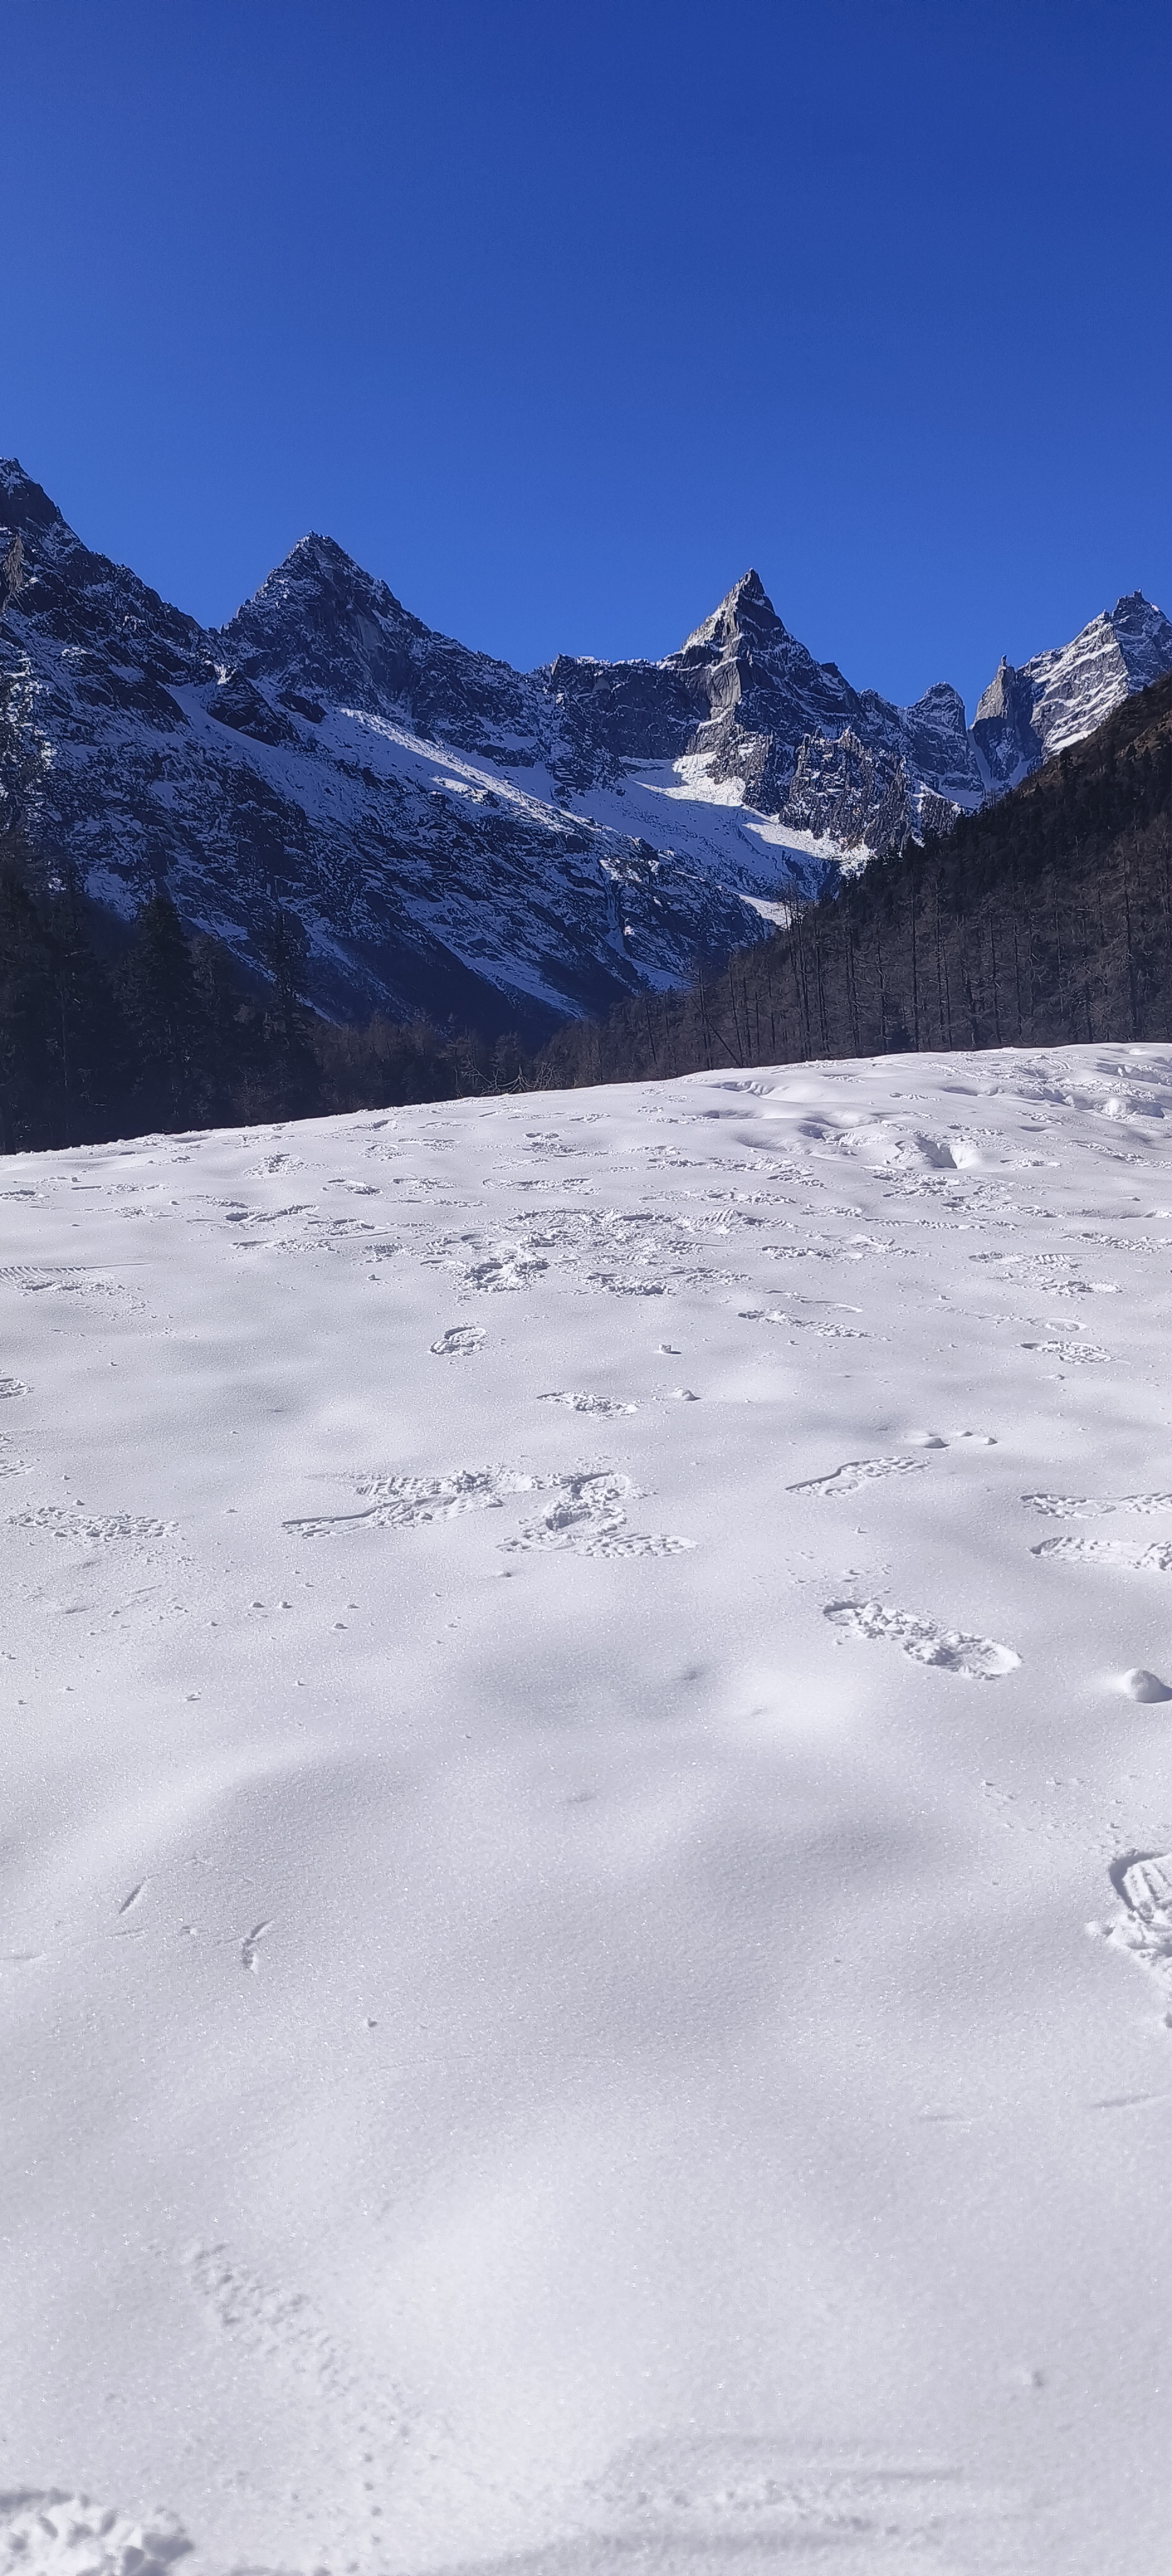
458	836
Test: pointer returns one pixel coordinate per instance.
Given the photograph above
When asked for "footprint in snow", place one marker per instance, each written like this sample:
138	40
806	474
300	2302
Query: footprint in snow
459	1342
1143	1927
1083	1507
406	1502
587	1516
1124	1554
1069	1353
505	1271
90	1529
45	2529
857	1472
576	1403
974	1659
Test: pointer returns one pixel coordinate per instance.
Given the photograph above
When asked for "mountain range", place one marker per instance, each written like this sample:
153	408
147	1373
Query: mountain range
459	838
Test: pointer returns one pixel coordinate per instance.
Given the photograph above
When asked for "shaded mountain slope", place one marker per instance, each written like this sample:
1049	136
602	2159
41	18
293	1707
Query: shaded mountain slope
130	748
1043	919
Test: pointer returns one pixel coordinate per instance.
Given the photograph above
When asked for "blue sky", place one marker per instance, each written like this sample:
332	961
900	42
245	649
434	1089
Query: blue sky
558	317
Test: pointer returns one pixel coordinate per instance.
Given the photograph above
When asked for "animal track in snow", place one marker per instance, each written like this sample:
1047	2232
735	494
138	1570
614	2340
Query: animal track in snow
975	1659
856	1472
282	2330
44	2532
1143	1883
459	1342
406	1502
1122	1552
576	1403
587	1516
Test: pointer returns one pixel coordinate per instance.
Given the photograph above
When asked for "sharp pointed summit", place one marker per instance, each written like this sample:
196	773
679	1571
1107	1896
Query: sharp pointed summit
746	611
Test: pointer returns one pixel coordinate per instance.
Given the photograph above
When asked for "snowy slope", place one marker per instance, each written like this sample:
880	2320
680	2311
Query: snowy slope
550	2020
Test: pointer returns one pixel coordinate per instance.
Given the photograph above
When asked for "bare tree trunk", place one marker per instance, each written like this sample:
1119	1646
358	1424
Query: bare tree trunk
993	959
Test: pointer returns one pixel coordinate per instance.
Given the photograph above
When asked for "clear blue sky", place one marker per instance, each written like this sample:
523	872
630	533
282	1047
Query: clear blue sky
559	316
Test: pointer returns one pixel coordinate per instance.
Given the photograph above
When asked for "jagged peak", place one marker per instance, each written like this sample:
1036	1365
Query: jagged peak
746	605
317	563
321	557
941	699
24	503
319	549
1133	609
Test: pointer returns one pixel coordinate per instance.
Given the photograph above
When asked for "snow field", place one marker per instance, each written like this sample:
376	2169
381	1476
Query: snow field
578	1671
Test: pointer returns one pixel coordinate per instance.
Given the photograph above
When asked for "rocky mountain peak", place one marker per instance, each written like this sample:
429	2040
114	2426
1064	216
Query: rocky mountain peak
745	614
23	504
1143	635
993	700
324	582
1025	716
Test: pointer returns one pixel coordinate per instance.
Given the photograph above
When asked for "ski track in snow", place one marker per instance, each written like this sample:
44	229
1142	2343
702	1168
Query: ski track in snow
494	1975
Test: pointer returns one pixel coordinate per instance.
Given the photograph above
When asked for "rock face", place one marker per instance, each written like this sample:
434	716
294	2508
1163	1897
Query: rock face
783	734
459	837
1026	716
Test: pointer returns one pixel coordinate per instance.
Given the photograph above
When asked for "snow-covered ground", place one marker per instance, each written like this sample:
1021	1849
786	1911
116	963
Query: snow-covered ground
571	1700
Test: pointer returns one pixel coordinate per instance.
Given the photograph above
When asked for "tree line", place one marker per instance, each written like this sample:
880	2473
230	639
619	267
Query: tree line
1040	920
106	1033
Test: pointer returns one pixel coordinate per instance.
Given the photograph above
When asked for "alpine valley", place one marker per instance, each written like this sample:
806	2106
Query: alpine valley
459	839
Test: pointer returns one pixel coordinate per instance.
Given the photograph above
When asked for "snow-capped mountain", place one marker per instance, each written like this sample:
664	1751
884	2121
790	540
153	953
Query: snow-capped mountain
459	837
1026	716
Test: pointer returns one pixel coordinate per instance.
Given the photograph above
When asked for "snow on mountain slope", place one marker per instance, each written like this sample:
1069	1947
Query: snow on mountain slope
459	837
761	722
1028	715
127	742
549	2017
